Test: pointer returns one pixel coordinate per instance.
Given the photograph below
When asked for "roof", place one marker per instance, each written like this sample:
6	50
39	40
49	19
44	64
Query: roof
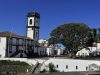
12	35
32	14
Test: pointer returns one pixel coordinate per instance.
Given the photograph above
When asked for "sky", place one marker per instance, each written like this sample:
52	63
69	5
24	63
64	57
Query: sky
52	14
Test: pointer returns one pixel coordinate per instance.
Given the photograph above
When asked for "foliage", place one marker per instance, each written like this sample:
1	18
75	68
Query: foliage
51	67
72	35
98	31
98	35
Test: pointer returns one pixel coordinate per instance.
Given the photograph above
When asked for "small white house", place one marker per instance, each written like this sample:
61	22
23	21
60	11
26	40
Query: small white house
56	49
95	51
84	52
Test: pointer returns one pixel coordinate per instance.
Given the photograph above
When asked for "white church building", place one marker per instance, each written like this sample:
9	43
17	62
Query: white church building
13	45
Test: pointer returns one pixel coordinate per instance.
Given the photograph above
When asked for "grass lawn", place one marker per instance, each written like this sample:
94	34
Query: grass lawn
14	66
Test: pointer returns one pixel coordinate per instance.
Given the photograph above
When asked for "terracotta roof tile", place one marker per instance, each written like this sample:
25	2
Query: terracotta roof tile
9	34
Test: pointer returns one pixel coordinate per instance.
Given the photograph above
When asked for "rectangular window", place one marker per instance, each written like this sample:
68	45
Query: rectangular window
76	67
86	68
0	56
66	66
30	21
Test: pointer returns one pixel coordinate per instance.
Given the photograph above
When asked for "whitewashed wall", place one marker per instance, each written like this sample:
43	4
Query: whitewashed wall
82	65
98	45
92	48
29	30
32	21
50	51
59	51
83	52
3	46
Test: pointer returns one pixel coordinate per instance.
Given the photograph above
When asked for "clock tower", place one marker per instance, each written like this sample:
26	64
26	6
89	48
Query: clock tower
33	20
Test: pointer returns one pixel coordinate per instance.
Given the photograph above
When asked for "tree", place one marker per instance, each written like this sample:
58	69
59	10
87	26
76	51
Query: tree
52	40
98	32
71	35
98	35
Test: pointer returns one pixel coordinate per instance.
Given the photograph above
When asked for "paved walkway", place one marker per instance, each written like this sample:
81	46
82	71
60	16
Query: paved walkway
37	70
68	73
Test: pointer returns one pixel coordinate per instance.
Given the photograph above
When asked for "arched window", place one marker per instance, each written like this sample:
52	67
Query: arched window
30	21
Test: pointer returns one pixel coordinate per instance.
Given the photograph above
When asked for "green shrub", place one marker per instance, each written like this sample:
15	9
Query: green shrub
51	67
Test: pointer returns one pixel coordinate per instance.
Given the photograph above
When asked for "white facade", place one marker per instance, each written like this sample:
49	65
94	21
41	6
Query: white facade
67	65
60	51
15	47
98	45
84	52
50	51
93	50
55	50
43	42
3	46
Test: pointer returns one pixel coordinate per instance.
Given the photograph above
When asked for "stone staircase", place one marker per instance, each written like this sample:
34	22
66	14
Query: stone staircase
37	69
14	54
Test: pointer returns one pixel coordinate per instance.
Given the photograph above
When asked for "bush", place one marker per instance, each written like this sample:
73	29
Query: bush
51	67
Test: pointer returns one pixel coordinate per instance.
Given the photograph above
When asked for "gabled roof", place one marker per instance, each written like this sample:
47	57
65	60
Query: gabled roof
12	35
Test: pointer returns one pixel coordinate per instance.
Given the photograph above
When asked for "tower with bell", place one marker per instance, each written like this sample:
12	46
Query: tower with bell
33	20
